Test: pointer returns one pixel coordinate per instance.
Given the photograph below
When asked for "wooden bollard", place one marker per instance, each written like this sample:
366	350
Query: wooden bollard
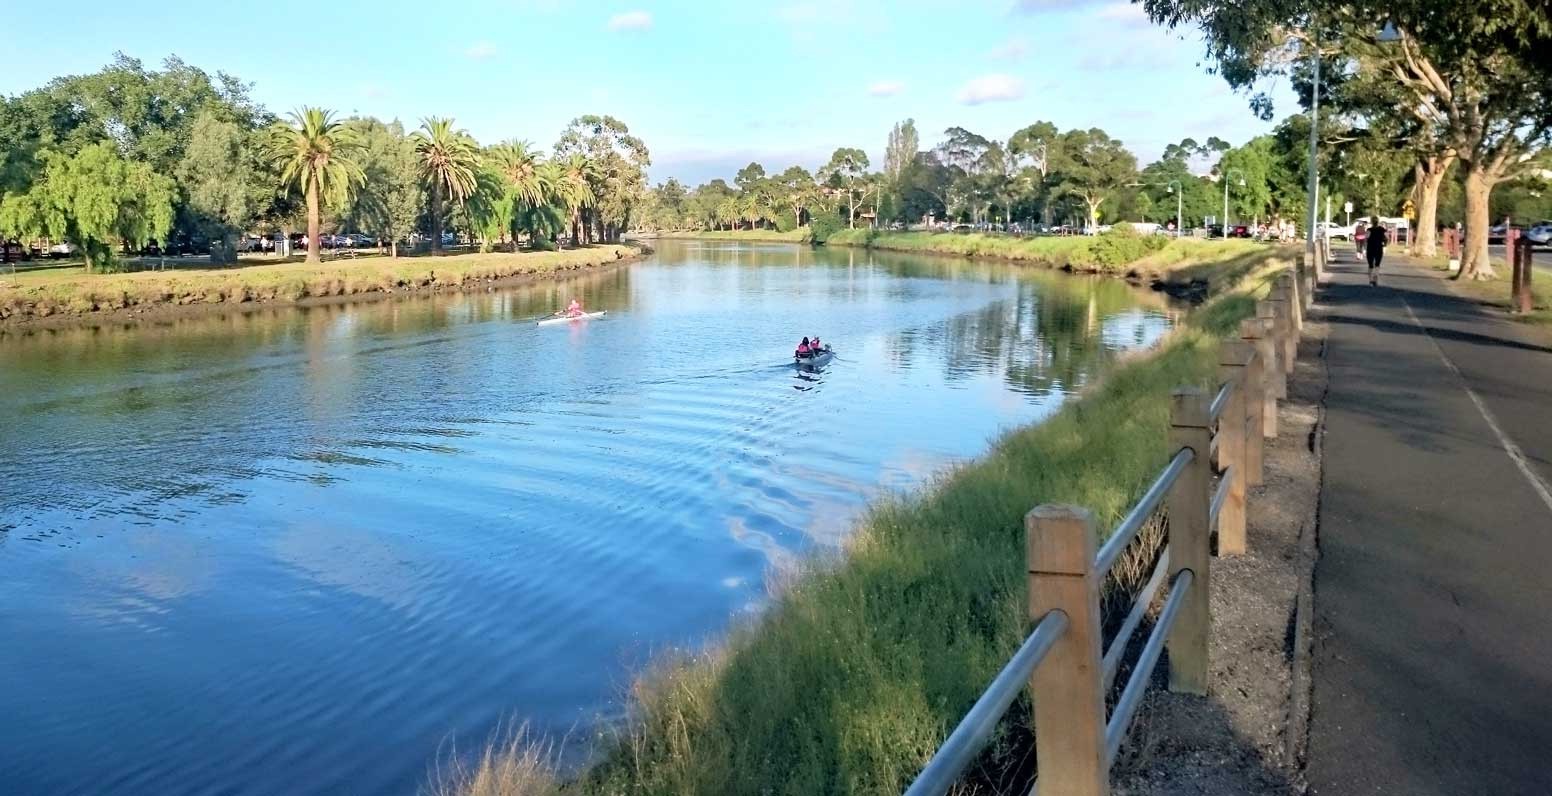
1276	381
1189	507
1255	402
1291	288
1266	354
1287	335
1233	358
1069	701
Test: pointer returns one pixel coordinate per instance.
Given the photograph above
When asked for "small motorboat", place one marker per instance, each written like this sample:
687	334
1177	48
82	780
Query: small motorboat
814	361
572	318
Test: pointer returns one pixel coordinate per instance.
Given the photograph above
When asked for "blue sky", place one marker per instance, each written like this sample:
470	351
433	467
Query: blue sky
709	86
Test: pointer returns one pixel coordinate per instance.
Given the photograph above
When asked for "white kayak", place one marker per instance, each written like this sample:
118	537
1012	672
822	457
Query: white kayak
572	318
818	360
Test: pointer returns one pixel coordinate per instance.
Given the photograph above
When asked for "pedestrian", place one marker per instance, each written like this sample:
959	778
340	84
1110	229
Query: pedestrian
1374	248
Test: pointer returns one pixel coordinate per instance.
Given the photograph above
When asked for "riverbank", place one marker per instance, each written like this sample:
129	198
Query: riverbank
49	297
799	235
863	663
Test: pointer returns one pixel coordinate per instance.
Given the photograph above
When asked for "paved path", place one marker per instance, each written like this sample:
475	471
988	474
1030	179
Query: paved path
1433	592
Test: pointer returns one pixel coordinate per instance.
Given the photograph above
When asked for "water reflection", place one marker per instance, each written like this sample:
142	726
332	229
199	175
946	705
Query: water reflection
293	550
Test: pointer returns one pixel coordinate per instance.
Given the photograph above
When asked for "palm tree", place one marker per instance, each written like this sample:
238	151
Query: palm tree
576	190
520	171
316	153
448	160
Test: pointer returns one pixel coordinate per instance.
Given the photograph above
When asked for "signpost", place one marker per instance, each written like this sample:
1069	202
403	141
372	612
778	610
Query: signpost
1347	207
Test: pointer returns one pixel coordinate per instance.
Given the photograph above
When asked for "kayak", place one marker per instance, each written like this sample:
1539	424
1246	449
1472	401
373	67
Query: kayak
568	318
818	360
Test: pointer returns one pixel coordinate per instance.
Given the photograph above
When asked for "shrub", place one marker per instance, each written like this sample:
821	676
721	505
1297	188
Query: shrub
823	225
785	223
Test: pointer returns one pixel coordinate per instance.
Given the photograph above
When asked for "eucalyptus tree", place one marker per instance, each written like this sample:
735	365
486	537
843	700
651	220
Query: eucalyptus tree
449	161
94	199
392	196
222	179
1479	86
316	154
1094	167
618	179
848	166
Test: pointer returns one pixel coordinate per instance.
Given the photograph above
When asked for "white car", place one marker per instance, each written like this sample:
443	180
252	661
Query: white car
1335	231
63	249
1541	234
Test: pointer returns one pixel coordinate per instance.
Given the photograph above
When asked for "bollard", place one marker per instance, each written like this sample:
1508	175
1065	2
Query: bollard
1255	402
1287	337
1233	359
1190	543
1276	384
1290	289
1522	297
1267	373
1069	702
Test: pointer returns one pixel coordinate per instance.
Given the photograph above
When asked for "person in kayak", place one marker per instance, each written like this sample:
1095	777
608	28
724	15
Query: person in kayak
572	310
805	350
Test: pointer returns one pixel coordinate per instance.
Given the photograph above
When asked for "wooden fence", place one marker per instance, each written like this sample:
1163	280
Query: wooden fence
1217	442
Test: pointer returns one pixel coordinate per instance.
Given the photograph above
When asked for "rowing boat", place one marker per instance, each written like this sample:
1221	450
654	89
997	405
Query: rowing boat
816	361
568	318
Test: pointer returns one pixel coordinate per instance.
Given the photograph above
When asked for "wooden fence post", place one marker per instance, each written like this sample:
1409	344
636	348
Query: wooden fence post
1287	335
1291	289
1257	397
1190	541
1067	686
1233	357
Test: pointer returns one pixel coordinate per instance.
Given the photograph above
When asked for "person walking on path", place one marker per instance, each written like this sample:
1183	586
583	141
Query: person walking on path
1374	248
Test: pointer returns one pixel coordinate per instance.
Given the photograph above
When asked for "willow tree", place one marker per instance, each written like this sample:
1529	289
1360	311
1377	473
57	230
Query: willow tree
449	160
94	199
317	155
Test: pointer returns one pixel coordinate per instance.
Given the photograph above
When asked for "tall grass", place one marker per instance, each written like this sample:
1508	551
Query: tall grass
40	295
865	662
799	235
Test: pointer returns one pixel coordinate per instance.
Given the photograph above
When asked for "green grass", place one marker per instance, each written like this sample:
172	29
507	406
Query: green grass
51	292
798	235
1497	292
1110	253
865	662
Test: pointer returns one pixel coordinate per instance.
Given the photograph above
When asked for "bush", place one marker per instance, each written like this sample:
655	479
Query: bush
785	223
1123	245
823	225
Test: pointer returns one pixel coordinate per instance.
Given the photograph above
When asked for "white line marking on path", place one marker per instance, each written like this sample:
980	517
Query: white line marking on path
1515	454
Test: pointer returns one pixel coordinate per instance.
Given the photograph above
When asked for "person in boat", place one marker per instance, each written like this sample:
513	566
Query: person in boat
805	349
574	309
815	346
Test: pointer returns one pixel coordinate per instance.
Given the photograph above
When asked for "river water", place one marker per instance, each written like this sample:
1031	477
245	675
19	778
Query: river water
306	550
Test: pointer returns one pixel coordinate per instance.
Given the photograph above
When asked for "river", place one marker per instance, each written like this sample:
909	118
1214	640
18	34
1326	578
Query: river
303	550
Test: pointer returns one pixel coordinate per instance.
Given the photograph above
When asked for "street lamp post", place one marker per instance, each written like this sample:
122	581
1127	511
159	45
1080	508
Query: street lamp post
1226	198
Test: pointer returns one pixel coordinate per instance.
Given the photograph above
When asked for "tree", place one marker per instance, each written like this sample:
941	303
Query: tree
220	175
449	159
1040	144
575	190
749	175
1480	87
1093	168
316	154
848	165
94	199
391	197
618	179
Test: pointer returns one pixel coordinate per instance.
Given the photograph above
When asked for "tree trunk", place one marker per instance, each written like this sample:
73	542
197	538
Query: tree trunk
393	248
436	217
1430	175
1475	262
313	244
1094	214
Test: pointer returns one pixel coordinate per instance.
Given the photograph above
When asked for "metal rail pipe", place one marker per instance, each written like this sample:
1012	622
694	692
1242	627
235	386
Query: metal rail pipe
1126	531
1131	698
1222	494
1124	635
1219	402
967	740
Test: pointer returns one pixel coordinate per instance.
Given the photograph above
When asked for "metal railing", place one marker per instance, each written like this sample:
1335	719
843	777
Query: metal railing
1076	739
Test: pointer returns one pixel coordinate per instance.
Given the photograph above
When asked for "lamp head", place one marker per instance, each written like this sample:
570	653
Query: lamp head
1241	182
1388	34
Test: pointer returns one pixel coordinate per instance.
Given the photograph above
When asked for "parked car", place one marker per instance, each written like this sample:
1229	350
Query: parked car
63	249
13	251
1499	232
358	239
1541	234
1335	231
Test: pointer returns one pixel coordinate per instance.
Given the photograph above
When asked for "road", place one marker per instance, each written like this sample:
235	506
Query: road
1432	589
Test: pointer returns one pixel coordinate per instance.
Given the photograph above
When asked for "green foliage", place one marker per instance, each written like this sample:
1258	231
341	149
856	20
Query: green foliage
391	197
221	176
616	178
823	225
93	199
786	222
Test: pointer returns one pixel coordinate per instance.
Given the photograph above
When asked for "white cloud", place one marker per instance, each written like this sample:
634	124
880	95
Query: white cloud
480	50
995	87
631	20
1128	15
1014	49
886	88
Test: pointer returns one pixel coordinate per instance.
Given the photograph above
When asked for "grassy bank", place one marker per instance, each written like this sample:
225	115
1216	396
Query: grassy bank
863	664
799	235
1110	253
52	293
1498	292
